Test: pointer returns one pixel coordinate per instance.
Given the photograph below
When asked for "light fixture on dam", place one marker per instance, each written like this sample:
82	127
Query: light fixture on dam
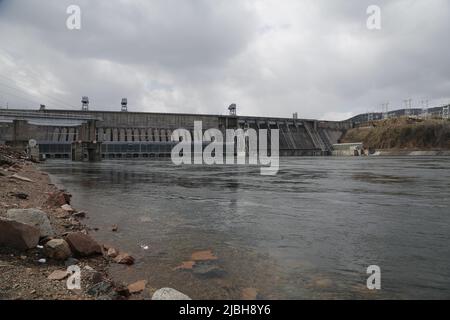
124	104
85	103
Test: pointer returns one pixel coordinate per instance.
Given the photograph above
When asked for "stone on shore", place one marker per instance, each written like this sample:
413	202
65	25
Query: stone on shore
17	177
112	253
137	287
58	199
18	235
32	217
83	245
71	262
249	294
58	275
68	208
80	214
57	249
124	258
169	294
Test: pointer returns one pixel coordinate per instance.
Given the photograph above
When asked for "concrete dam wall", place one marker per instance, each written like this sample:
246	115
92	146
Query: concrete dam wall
144	135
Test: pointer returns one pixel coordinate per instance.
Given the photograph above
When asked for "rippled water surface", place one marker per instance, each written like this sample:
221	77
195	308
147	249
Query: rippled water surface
309	232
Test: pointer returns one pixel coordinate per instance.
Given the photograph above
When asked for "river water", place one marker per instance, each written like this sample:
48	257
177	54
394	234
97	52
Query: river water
309	232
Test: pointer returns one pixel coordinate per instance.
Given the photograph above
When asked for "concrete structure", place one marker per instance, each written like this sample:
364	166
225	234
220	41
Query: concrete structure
76	134
348	149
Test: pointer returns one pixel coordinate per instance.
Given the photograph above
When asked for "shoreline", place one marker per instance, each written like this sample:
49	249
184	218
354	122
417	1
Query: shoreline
30	274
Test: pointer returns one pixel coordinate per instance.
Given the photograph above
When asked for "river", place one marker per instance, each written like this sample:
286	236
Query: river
309	232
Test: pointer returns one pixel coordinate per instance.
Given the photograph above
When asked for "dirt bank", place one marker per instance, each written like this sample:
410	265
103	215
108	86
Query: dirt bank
402	134
23	273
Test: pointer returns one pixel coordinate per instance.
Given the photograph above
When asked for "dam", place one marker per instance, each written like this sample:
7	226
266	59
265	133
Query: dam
119	134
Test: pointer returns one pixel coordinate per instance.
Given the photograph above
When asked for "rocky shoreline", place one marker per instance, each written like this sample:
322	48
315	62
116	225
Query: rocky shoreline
41	235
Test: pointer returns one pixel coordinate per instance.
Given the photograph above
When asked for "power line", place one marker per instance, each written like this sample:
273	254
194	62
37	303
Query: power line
19	97
59	101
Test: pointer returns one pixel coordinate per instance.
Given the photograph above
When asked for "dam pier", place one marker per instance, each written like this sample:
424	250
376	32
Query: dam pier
83	135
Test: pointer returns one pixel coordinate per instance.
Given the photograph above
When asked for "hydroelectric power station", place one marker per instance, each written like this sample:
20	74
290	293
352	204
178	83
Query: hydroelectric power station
94	135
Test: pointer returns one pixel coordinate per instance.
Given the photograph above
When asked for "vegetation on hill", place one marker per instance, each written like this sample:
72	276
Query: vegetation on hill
402	133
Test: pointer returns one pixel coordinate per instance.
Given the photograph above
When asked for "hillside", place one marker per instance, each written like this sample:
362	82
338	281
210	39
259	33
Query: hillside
402	133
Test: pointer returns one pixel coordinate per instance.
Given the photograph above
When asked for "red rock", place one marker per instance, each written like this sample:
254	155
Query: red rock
83	245
58	199
124	258
18	235
249	294
137	287
186	265
205	255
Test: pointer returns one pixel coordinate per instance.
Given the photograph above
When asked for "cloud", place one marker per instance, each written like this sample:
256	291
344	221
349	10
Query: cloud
314	57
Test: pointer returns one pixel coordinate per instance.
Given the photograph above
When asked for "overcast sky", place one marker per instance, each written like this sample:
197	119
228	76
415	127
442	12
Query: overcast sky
270	57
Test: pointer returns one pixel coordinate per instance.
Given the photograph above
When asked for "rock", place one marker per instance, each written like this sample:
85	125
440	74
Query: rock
57	249
89	268
208	270
17	177
137	287
100	289
18	235
83	245
33	217
205	255
249	294
323	282
169	294
80	214
114	228
71	262
58	199
96	277
112	253
186	265
42	261
122	290
58	275
67	208
19	195
124	258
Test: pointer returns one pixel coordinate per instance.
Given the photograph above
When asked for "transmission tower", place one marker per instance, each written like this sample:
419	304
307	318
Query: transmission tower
407	106
445	112
385	110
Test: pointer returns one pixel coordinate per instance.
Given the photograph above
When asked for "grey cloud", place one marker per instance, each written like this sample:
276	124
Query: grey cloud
272	58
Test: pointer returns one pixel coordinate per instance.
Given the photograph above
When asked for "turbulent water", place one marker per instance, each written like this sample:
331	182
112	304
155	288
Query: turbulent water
309	232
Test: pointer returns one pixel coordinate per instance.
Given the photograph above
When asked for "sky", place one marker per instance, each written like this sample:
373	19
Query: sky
272	58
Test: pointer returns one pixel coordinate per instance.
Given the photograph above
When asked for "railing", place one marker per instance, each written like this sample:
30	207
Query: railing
45	115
